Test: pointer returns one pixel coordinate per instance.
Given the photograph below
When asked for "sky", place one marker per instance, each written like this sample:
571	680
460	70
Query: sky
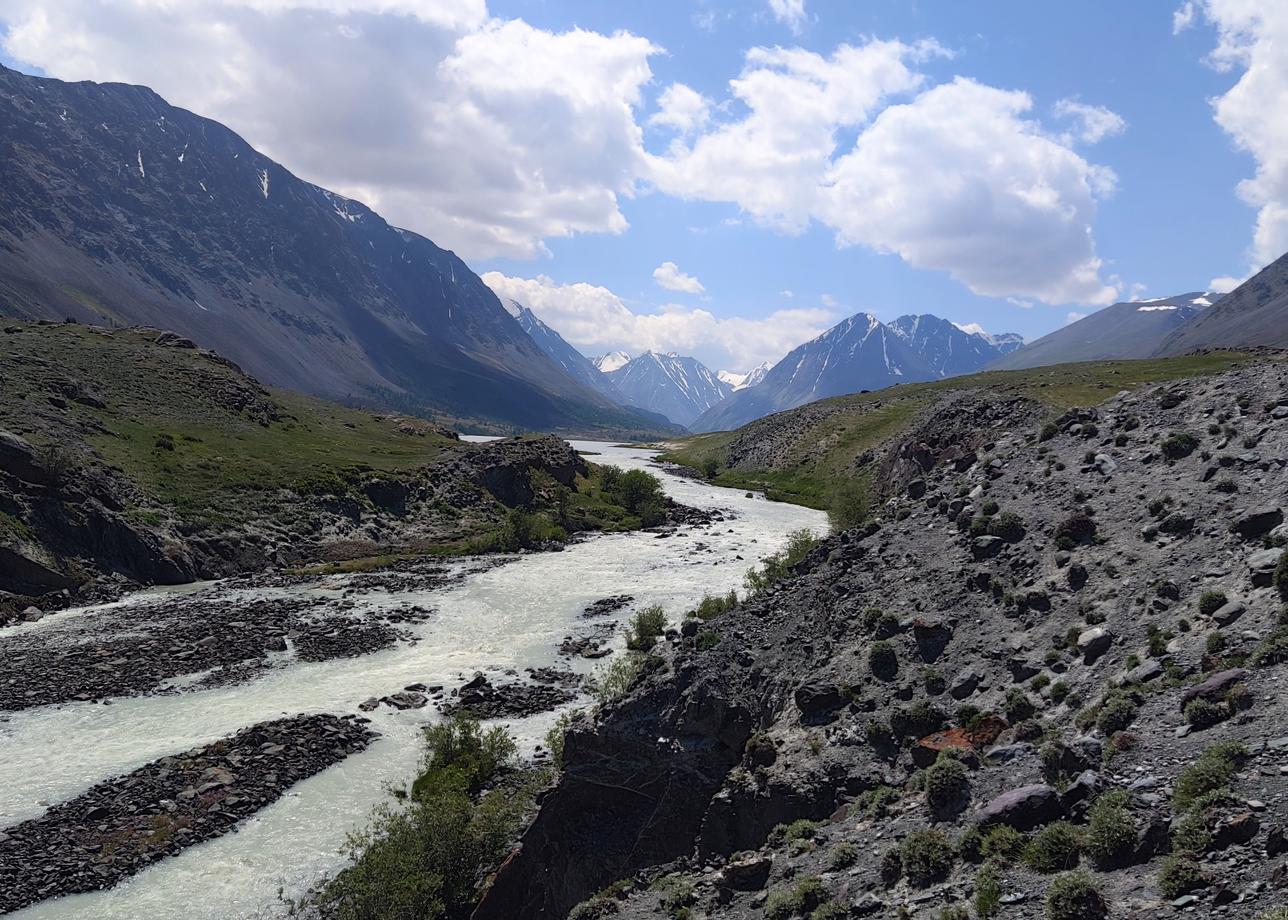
729	179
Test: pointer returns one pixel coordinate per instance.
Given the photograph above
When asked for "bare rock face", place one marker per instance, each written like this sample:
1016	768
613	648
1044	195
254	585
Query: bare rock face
1023	809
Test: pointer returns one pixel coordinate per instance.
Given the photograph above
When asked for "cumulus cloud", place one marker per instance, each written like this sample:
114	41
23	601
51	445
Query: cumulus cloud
960	178
1252	36
1093	123
433	113
1183	17
790	13
595	320
1073	317
681	108
669	276
971	328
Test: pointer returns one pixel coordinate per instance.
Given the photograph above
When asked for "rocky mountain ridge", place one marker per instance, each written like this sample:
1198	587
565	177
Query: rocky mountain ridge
679	387
1061	644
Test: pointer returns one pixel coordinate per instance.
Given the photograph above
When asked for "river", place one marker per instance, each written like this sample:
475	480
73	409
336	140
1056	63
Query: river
510	616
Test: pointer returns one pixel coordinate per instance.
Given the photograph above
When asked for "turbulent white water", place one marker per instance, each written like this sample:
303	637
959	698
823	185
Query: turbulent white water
512	616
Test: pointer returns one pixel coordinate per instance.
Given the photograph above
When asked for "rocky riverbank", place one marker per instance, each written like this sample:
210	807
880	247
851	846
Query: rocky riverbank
120	826
1078	609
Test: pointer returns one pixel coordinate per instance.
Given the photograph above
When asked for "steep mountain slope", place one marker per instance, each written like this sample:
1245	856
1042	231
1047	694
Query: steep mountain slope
577	365
859	353
117	208
1254	313
1022	666
1134	329
749	379
679	387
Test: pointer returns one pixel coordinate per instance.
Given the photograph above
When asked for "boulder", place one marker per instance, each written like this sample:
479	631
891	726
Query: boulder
986	547
1094	642
1144	672
406	699
1228	612
1023	809
1257	522
817	698
1214	687
749	873
964	684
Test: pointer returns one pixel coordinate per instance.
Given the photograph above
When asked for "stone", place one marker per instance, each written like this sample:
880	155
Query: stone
964	684
32	614
1257	522
817	698
1024	808
1144	672
1235	830
986	547
1085	787
369	704
747	874
1228	612
1094	642
406	699
1214	687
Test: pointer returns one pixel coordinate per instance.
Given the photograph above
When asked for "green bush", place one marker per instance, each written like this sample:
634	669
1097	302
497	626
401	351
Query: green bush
1274	913
807	894
926	855
801	829
1111	830
1211	601
1008	525
1271	650
1211	772
1077	528
933	681
847	505
1201	713
712	605
883	661
842	856
645	627
831	910
918	720
555	736
1281	575
425	857
1117	713
947	785
1075	896
1179	444
1002	843
778	566
611	681
988	892
1054	848
1018	706
1179	875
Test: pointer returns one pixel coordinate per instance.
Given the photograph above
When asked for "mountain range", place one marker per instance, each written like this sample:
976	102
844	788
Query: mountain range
679	387
749	379
860	353
117	208
1254	313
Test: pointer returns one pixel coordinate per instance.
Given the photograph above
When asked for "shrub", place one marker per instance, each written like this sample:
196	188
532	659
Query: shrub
1075	896
1211	601
831	910
1274	913
926	856
1281	575
947	786
801	829
424	858
1211	772
1116	713
611	681
847	505
882	659
645	627
1201	713
918	720
1002	843
988	893
1059	691
555	736
842	856
1111	830
1018	706
712	605
778	566
989	508
879	734
1008	525
933	681
953	912
1179	875
1053	849
1179	444
520	531
706	639
808	894
1077	528
1271	650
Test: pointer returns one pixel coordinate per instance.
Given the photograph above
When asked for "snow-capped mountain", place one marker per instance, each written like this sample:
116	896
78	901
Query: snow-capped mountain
578	366
611	361
749	379
860	353
679	387
1133	329
1254	313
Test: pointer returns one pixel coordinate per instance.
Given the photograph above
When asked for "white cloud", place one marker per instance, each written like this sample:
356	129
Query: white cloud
959	181
489	136
1183	17
948	180
669	276
1094	122
1225	284
682	108
971	328
595	320
1073	317
1252	38
790	13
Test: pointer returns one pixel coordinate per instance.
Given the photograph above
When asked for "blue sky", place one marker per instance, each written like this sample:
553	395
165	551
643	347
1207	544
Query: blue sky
542	159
